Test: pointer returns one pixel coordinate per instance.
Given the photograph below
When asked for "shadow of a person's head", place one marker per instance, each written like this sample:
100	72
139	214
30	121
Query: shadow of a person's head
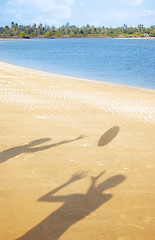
38	142
111	182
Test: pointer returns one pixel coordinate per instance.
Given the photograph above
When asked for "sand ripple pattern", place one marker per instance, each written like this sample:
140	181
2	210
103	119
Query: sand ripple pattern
52	95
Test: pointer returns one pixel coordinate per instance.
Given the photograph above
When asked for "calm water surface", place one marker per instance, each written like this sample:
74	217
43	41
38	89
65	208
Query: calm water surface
122	61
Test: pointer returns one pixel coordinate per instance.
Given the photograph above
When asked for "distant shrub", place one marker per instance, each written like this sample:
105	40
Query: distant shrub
128	36
22	34
152	33
27	36
47	35
32	34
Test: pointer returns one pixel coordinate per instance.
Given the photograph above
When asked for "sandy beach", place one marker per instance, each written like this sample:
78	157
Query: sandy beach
76	158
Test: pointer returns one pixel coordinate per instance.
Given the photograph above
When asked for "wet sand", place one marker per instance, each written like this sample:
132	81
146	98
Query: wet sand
76	158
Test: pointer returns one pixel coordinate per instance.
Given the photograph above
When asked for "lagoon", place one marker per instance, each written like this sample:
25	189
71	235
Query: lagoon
128	62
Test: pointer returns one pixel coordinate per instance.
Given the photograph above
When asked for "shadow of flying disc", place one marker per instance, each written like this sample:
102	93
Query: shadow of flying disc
108	136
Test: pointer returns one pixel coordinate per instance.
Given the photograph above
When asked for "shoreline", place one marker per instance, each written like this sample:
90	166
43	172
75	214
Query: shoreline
72	77
76	156
138	38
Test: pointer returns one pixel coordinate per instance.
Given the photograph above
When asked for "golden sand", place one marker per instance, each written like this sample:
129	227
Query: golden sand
76	158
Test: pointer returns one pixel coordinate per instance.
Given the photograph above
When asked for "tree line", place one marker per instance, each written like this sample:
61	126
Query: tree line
71	31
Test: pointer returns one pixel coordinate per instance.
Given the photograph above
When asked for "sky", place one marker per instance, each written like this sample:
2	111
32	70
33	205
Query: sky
107	13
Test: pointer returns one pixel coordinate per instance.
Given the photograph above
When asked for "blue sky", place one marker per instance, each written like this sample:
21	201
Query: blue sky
108	13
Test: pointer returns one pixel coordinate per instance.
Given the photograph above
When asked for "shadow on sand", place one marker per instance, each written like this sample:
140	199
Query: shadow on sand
29	148
108	136
75	207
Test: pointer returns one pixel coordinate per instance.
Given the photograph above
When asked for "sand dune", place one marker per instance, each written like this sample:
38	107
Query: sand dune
53	127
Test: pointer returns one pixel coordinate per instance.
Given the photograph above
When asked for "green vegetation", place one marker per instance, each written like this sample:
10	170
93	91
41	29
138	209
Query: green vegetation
72	31
152	33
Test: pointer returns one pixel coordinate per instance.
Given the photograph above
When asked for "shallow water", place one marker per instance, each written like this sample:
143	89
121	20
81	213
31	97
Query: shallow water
123	61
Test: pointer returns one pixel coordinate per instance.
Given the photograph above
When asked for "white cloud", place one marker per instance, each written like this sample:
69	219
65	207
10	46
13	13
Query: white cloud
130	2
11	11
78	12
50	4
137	2
46	10
82	3
148	13
42	5
120	3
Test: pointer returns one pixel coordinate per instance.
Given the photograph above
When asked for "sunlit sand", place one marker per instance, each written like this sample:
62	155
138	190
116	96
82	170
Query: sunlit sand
76	158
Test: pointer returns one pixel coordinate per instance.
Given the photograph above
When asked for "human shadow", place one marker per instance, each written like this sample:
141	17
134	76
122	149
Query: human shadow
29	148
75	207
108	136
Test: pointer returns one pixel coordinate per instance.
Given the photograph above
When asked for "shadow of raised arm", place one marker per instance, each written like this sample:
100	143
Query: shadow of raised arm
37	149
49	196
93	182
